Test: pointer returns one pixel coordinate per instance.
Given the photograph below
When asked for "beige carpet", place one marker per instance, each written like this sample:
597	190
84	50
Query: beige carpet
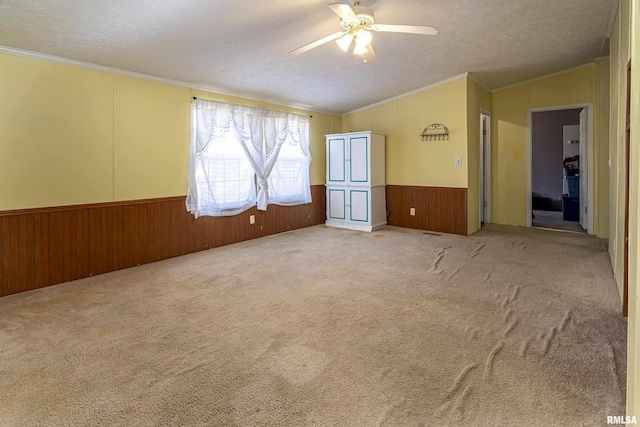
328	327
553	220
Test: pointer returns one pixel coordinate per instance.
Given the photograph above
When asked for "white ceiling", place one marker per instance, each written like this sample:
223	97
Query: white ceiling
241	45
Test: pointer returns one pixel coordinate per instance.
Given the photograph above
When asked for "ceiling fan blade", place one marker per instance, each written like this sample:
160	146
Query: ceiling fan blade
411	29
317	43
345	12
370	56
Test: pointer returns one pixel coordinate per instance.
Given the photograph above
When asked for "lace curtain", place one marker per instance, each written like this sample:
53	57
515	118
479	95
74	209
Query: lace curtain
260	134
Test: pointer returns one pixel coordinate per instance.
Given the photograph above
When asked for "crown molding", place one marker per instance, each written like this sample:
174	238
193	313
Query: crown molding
152	78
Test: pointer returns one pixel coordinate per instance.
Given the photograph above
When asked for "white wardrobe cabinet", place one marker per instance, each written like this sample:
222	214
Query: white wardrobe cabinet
356	181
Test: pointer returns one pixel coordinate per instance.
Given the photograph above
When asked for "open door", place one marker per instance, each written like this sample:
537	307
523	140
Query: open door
584	170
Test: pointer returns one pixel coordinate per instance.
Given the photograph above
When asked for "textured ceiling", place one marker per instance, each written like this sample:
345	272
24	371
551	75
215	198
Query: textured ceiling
241	45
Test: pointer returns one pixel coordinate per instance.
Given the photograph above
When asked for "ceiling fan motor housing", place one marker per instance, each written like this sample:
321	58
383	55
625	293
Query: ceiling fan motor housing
364	14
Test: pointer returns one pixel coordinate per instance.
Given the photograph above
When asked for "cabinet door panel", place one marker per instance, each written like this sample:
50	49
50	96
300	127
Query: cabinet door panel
336	204
358	154
359	205
336	148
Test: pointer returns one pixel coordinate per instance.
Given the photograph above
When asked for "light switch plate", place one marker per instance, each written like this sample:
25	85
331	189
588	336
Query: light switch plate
458	162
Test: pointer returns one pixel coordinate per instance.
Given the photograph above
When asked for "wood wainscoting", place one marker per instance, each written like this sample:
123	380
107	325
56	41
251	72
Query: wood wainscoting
47	246
437	208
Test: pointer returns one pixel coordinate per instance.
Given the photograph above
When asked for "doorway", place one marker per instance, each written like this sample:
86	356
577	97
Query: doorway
485	168
560	150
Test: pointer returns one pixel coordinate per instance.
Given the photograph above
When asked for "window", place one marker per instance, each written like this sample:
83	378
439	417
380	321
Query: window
289	179
242	157
224	177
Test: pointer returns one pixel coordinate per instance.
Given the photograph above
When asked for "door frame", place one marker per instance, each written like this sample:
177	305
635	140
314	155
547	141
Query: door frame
589	107
484	179
627	198
584	173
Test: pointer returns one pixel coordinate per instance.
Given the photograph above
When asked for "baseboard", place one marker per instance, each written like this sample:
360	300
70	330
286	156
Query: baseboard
440	209
46	246
354	226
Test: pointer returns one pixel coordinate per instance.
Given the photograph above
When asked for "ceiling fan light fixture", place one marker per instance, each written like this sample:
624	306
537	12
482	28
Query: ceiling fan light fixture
363	38
345	41
360	49
357	22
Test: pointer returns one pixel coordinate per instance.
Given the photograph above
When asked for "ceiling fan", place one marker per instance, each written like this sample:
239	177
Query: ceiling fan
357	23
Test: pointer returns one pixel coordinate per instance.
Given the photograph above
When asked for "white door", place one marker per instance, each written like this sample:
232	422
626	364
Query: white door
584	171
336	166
359	205
358	166
336	203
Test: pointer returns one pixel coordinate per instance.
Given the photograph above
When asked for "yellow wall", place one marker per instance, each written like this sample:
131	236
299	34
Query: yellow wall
411	161
614	101
151	144
69	135
620	55
509	154
601	149
56	134
321	125
625	39
477	98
